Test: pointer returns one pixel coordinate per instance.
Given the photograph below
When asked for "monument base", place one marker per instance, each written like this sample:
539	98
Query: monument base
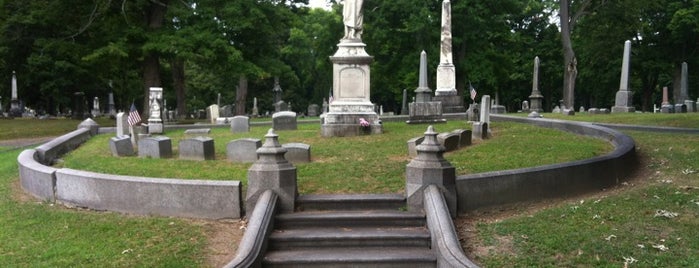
451	103
691	106
667	109
426	112
535	103
155	127
498	109
623	100
346	124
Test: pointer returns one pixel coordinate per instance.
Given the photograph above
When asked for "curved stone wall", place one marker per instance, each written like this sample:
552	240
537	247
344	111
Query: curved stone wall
481	190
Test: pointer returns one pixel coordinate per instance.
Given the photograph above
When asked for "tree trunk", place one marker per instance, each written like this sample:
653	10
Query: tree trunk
178	80
571	63
241	93
155	14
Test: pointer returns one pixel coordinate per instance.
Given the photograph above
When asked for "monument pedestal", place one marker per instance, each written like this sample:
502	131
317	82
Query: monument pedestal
691	106
425	112
535	103
351	91
155	126
623	99
451	103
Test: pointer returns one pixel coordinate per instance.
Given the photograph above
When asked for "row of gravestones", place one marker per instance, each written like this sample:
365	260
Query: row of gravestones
202	148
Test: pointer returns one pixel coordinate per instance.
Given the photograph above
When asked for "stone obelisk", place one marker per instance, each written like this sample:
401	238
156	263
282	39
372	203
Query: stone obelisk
536	98
624	97
15	110
684	90
446	71
351	81
424	110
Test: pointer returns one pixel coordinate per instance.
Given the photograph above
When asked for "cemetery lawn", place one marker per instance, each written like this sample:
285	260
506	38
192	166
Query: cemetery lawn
648	221
364	164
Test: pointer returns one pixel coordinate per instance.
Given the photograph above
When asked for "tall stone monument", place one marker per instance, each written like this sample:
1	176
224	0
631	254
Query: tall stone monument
155	120
112	108
96	107
535	99
78	112
279	104
446	71
684	91
624	97
351	81
665	106
15	110
424	110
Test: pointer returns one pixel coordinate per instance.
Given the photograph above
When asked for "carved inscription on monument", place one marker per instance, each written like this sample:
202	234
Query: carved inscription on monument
352	83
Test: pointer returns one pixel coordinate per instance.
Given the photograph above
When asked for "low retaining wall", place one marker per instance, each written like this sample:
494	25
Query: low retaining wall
35	178
140	195
519	185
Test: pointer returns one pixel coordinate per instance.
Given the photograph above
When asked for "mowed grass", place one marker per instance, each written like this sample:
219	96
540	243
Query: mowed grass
622	228
20	128
685	120
363	164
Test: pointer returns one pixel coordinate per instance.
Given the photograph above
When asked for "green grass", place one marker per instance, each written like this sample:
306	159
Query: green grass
34	128
601	231
363	164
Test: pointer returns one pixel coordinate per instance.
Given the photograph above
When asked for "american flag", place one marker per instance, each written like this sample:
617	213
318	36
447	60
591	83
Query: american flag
473	91
134	118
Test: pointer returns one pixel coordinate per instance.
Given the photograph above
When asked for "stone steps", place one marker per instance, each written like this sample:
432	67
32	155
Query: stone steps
350	231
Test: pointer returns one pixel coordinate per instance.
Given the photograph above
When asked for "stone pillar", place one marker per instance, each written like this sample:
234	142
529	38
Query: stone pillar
536	98
684	91
255	110
404	107
665	106
15	110
446	71
481	128
273	172
430	168
96	107
112	108
424	110
78	106
624	97
155	120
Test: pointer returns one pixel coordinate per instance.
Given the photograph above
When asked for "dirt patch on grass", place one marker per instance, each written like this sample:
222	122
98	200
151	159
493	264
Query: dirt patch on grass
222	237
475	248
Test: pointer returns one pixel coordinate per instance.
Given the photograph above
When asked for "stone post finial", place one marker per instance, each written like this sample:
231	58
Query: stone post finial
272	171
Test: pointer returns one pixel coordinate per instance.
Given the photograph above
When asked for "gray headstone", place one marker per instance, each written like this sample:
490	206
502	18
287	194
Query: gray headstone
243	150
198	148
155	147
197	132
240	124
121	146
534	114
593	111
480	130
449	140
412	145
604	111
212	113
556	110
680	108
284	121
313	110
122	124
464	137
473	113
297	152
691	106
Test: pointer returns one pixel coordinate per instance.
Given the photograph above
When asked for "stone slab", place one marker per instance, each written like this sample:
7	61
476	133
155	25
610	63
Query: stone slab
197	132
412	145
155	147
449	140
465	136
121	146
297	152
284	121
240	124
198	148
243	150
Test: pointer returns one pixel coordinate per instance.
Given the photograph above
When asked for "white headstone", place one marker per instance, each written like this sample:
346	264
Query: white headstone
122	124
212	112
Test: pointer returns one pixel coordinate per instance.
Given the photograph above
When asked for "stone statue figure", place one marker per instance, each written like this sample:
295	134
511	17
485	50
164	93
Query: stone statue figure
154	108
352	18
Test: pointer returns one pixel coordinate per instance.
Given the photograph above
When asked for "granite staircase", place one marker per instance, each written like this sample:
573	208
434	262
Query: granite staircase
350	231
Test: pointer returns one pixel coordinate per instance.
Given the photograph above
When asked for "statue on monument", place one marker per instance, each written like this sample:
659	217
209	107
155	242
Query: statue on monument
352	18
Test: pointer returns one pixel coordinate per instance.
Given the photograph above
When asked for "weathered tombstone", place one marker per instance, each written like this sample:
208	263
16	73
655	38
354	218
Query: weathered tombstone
96	107
624	97
525	106
593	111
15	110
226	111
556	110
284	121
680	108
582	109
473	112
480	129
464	137
255	110
449	140
496	108
155	120
404	107
272	172
78	106
297	152
313	110
243	150
112	108
198	148
666	106
122	124
424	110
155	147
536	98
446	92
430	168
604	111
325	106
121	146
412	145
240	124
212	113
197	132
